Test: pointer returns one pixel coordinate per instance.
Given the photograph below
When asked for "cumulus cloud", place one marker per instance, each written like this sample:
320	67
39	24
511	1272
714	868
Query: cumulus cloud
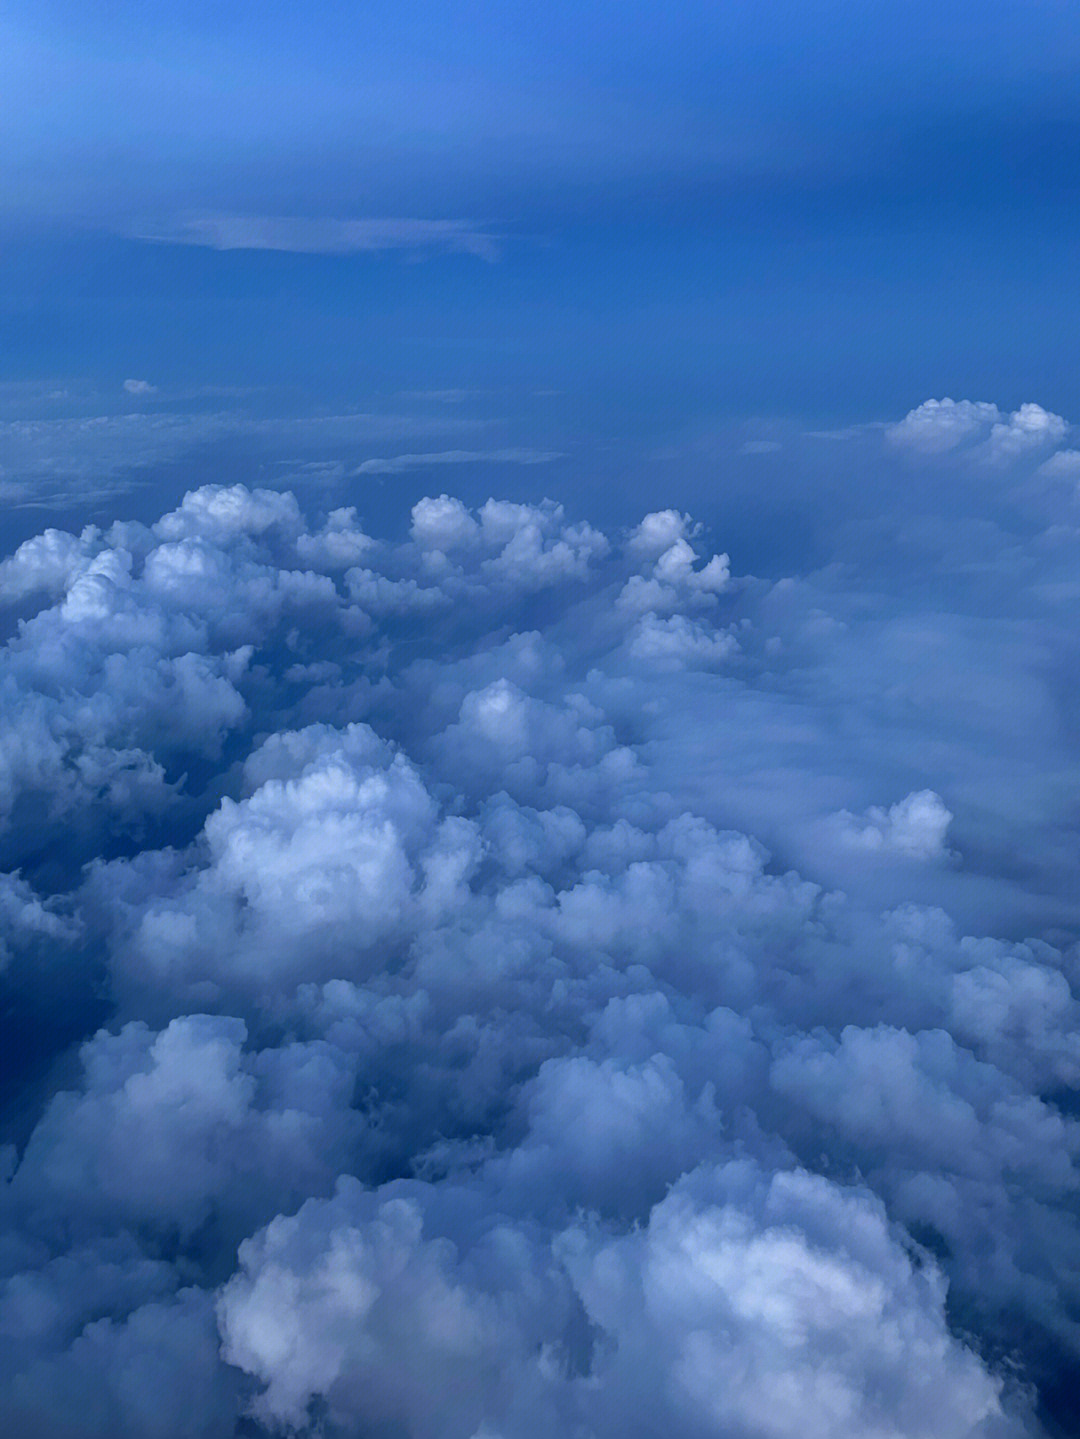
139	387
749	1305
1028	428
461	1060
675	639
670	577
939	426
915	826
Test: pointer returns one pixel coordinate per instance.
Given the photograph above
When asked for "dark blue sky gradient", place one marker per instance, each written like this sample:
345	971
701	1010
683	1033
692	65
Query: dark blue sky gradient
818	210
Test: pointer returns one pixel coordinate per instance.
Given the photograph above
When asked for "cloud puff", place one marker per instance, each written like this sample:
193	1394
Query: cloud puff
468	1055
670	576
914	827
939	426
936	426
139	387
675	639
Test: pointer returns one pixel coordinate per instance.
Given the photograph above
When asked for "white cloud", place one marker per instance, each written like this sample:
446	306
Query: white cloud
1062	465
677	640
939	426
1028	428
670	578
220	513
443	524
914	827
25	918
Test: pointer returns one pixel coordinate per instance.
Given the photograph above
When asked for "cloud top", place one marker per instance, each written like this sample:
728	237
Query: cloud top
450	1057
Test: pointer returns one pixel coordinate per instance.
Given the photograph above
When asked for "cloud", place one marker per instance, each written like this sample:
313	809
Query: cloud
749	1304
1028	428
676	639
139	387
316	235
914	827
501	975
669	577
85	452
1062	465
25	919
940	426
401	464
937	426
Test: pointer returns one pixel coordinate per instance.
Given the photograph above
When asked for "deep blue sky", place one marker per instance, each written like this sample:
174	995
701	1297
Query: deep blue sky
673	218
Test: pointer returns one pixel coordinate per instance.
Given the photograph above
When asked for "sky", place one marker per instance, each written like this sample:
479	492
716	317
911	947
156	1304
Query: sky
617	225
539	773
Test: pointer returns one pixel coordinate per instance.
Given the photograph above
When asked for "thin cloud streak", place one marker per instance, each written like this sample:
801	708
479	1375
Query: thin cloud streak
315	235
399	464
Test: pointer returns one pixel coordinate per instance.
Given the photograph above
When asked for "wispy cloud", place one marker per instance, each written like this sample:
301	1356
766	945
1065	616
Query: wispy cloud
441	397
97	446
316	235
398	464
846	432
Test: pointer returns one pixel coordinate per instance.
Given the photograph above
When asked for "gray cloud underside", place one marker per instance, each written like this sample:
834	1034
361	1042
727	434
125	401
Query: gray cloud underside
464	1070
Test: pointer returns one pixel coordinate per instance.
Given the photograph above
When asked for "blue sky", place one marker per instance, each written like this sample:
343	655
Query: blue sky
822	211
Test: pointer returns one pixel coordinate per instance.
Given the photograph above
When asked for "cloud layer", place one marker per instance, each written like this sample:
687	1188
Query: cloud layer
449	1061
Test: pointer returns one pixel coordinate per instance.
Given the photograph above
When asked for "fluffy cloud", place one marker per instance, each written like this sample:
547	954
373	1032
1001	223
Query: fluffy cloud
471	1057
670	577
936	426
915	826
24	918
748	1305
939	426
